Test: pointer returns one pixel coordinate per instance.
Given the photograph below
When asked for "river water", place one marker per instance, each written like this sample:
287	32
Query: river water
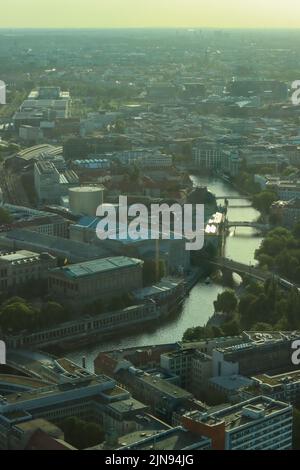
198	306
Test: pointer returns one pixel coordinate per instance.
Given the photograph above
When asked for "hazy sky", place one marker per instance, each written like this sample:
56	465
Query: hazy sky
150	13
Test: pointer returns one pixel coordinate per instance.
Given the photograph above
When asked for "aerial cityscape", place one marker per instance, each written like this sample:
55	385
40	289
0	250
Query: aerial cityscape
150	232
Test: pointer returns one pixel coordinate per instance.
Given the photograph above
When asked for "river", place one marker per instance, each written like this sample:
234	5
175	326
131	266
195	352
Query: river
198	306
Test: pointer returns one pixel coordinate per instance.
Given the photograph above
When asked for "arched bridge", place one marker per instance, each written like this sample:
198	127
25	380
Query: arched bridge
253	271
256	225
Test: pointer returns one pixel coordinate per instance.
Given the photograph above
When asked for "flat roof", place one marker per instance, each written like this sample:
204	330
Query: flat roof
125	406
89	268
165	387
18	256
280	379
240	414
231	383
173	439
53	390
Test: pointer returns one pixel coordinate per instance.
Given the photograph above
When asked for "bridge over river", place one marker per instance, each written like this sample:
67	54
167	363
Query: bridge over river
253	271
256	225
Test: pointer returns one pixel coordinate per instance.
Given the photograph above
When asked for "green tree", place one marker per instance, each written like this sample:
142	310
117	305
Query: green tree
82	434
18	316
262	327
296	231
52	313
5	217
263	201
231	328
226	302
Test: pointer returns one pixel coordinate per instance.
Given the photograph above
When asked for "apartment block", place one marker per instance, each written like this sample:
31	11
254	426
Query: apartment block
257	424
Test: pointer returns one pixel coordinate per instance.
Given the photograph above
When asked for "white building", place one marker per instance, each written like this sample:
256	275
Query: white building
22	266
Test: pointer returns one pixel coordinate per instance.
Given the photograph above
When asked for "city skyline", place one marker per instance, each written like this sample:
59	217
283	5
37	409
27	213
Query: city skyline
157	14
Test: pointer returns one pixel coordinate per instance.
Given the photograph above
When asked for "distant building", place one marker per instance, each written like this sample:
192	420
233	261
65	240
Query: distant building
285	387
20	267
52	180
288	212
273	90
46	182
97	279
30	134
42	222
257	424
43	107
208	156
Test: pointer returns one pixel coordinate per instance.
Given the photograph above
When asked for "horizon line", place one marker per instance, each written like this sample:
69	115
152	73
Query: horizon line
186	28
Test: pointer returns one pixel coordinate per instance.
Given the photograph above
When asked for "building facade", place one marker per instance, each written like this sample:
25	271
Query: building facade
96	279
20	267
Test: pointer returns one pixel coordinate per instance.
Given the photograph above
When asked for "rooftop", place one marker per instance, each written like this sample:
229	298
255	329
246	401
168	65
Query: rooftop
96	266
277	380
241	414
53	390
21	256
231	383
165	387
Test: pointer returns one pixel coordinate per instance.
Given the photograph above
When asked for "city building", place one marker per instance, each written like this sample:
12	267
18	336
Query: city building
193	367
30	134
163	397
22	266
41	240
258	353
46	182
257	424
165	290
38	221
96	279
52	180
230	386
93	398
43	108
284	387
170	439
85	200
208	156
287	212
173	252
269	90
